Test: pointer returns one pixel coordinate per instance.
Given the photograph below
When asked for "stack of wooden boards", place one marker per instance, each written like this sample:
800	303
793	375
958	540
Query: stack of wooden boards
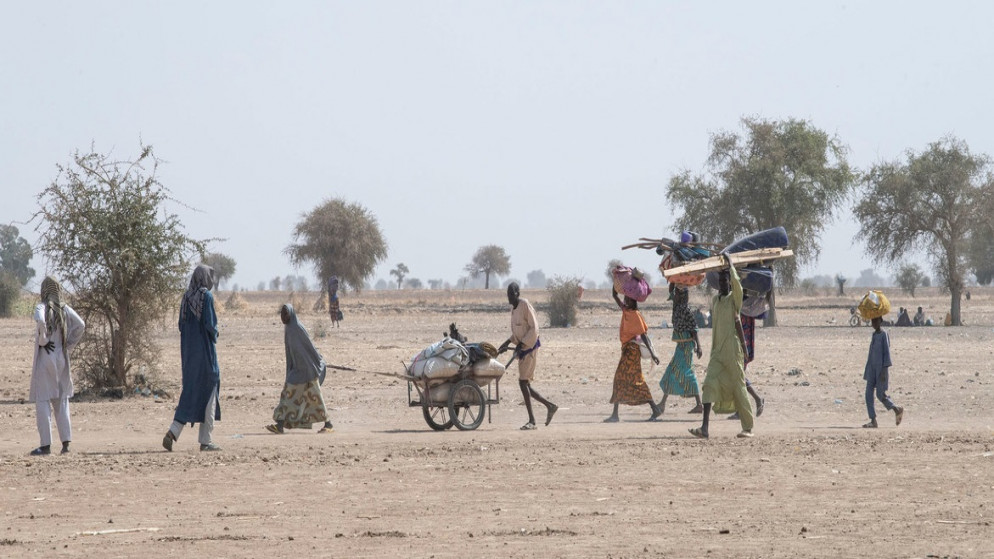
738	259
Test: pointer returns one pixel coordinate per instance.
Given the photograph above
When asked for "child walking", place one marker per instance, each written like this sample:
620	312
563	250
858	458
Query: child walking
876	374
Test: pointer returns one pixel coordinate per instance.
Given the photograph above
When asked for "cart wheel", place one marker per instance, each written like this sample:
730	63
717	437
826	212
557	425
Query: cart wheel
467	405
854	320
437	417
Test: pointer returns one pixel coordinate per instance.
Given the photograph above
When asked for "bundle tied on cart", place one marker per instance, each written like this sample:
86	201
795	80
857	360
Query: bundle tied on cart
454	382
443	361
440	360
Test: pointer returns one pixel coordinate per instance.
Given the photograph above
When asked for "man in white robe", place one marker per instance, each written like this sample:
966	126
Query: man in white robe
58	330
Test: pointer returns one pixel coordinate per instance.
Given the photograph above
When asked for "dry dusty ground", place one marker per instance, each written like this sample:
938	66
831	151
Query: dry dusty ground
811	483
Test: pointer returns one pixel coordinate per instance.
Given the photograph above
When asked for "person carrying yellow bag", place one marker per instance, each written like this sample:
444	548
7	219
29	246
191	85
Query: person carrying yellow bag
876	373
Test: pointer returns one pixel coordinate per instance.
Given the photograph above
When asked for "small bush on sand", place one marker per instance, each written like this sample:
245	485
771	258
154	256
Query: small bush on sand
235	302
564	297
296	302
321	329
10	292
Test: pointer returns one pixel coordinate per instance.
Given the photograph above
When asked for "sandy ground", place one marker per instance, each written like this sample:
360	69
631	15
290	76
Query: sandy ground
810	484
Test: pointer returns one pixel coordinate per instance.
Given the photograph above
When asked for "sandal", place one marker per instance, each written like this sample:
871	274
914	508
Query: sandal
698	432
898	415
871	425
209	447
612	419
528	426
697	409
325	430
760	406
274	428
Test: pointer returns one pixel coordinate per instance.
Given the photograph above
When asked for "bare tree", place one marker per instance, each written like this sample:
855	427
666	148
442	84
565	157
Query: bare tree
934	202
909	277
107	235
339	239
224	266
536	278
782	173
841	282
400	272
489	260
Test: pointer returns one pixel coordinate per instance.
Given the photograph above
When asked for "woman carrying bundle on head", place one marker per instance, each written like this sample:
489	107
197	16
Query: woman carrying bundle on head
630	387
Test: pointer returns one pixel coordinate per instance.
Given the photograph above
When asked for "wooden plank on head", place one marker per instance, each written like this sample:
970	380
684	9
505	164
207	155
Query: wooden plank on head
738	260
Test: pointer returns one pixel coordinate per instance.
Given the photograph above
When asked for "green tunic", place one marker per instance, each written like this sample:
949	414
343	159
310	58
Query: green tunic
724	386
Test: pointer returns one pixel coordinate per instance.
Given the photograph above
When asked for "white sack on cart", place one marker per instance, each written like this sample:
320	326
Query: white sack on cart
438	367
447	348
434	368
485	371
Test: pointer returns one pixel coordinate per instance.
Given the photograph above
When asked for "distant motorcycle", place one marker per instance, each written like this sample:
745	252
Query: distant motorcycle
855	319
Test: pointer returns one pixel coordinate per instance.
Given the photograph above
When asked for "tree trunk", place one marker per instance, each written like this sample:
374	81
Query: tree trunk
119	344
955	284
486	281
319	305
954	305
771	313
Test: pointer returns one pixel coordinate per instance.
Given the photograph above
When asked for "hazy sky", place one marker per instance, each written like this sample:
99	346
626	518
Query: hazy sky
548	128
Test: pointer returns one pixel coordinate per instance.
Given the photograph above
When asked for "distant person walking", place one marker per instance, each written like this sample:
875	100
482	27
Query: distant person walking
877	375
679	378
301	402
630	387
724	386
198	401
334	307
524	337
58	330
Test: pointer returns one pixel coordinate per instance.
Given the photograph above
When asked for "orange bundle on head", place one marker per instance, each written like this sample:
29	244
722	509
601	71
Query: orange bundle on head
687	280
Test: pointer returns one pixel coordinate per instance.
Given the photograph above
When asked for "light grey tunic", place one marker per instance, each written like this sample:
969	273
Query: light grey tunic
50	378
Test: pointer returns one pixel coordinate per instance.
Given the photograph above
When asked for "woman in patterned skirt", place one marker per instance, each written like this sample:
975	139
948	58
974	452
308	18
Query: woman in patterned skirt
301	403
630	387
679	378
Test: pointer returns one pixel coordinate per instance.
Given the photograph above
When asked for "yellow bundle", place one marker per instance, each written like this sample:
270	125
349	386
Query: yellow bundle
873	305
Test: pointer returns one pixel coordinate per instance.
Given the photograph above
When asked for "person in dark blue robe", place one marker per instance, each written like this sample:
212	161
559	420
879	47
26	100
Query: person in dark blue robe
198	401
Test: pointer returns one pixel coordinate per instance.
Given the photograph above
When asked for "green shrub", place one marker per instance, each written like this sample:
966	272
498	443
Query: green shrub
10	292
564	297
